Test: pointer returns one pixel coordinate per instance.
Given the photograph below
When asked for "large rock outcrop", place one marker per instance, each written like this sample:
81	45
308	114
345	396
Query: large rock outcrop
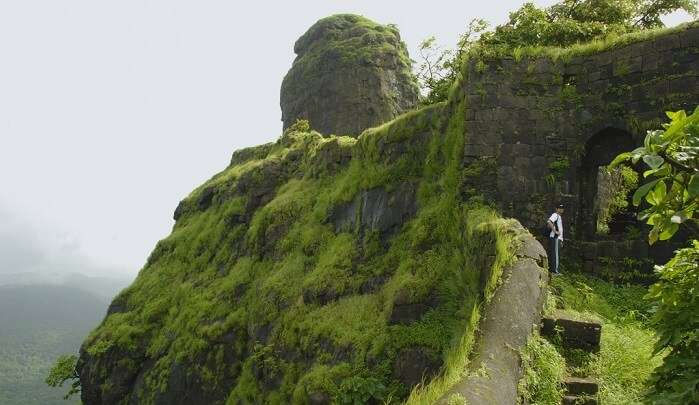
328	269
349	74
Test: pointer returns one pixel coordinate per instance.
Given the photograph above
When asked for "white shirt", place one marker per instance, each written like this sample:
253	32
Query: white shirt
557	220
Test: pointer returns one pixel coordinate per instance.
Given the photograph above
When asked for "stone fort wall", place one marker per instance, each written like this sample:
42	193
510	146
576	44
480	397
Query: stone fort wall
538	127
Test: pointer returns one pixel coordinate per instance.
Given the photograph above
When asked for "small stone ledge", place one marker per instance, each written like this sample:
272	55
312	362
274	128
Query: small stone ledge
507	322
581	386
575	334
575	400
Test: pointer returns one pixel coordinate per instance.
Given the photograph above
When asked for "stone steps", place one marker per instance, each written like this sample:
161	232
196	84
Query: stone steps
580	391
575	334
581	386
576	400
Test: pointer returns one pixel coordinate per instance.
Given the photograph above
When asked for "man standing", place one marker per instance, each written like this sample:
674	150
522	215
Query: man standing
555	224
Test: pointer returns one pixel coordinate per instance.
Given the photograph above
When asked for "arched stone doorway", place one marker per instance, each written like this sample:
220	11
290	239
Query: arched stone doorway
597	185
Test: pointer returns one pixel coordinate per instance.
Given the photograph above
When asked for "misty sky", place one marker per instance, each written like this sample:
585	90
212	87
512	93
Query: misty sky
111	112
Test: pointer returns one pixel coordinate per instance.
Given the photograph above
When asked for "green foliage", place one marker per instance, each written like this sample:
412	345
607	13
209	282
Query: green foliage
559	167
613	302
672	194
624	180
676	297
672	156
565	28
299	126
357	390
626	269
438	67
625	363
543	372
577	21
64	370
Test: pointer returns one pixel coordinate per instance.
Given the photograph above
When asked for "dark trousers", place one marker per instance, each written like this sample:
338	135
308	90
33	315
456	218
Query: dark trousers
554	251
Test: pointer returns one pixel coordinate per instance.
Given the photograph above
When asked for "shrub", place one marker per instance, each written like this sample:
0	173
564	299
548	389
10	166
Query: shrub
676	295
544	370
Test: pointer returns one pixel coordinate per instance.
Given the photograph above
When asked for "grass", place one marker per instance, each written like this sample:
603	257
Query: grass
543	370
565	54
270	281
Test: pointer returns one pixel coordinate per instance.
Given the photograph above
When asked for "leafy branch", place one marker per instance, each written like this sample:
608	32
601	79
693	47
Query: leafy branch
64	370
672	156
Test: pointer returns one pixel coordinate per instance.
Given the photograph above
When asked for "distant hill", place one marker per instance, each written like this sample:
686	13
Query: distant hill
37	324
106	287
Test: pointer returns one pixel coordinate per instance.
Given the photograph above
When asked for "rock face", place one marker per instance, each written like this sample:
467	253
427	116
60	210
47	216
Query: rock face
349	74
328	269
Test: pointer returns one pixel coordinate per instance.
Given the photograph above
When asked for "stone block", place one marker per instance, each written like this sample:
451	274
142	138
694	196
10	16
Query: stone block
589	250
635	64
480	150
679	85
521	149
607	248
690	38
581	386
522	164
575	400
639	248
649	62
603	58
574	334
666	60
660	88
667	42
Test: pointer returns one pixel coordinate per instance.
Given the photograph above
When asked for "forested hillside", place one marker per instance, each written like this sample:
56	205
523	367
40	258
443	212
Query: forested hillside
37	324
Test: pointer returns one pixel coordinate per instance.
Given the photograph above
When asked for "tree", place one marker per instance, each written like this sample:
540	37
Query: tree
576	21
672	194
672	158
563	24
676	299
438	67
64	370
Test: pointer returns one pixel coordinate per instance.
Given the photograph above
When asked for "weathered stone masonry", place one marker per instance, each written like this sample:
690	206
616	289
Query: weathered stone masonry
528	119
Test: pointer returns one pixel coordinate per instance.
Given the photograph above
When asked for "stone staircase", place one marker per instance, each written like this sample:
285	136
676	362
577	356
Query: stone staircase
575	334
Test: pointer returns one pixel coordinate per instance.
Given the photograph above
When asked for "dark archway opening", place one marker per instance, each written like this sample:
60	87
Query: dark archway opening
599	188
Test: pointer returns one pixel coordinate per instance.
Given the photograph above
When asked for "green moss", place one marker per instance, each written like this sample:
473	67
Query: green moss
255	270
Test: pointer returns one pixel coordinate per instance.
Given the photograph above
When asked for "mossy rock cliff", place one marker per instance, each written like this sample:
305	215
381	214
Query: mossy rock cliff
349	74
315	269
311	270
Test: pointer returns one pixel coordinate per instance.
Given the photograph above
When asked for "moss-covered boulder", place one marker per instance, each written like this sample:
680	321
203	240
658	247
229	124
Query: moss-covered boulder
350	74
